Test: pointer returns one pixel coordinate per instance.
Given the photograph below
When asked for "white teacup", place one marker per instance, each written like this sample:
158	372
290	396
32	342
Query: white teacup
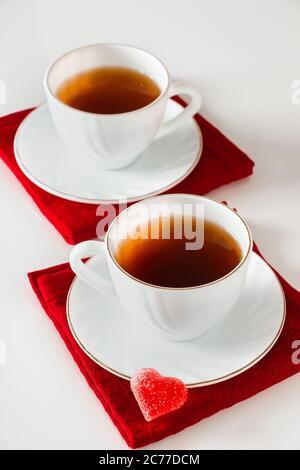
115	140
172	313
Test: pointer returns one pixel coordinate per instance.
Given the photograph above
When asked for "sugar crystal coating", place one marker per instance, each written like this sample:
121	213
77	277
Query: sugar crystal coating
157	395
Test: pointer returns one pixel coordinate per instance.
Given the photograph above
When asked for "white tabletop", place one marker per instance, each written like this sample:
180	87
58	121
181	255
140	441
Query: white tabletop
243	56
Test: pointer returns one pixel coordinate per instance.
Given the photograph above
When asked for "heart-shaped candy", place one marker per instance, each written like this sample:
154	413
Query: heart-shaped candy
157	395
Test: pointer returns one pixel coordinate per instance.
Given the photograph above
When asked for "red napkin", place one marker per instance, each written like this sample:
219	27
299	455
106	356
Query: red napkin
51	287
221	163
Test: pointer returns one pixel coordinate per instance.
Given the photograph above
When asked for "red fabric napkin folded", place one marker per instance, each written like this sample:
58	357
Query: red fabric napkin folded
51	287
221	163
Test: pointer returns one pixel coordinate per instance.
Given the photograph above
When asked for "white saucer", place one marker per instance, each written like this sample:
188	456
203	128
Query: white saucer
109	336
49	163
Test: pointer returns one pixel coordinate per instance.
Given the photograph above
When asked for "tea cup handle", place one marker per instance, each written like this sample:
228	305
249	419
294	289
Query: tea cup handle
192	108
84	271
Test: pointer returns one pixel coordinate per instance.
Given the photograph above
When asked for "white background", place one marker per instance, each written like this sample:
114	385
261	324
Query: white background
243	56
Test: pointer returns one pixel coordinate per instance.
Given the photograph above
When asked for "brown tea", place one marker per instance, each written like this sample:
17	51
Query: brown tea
167	262
108	90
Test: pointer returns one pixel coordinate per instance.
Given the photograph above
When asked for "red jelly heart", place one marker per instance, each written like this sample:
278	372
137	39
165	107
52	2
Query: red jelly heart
157	395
